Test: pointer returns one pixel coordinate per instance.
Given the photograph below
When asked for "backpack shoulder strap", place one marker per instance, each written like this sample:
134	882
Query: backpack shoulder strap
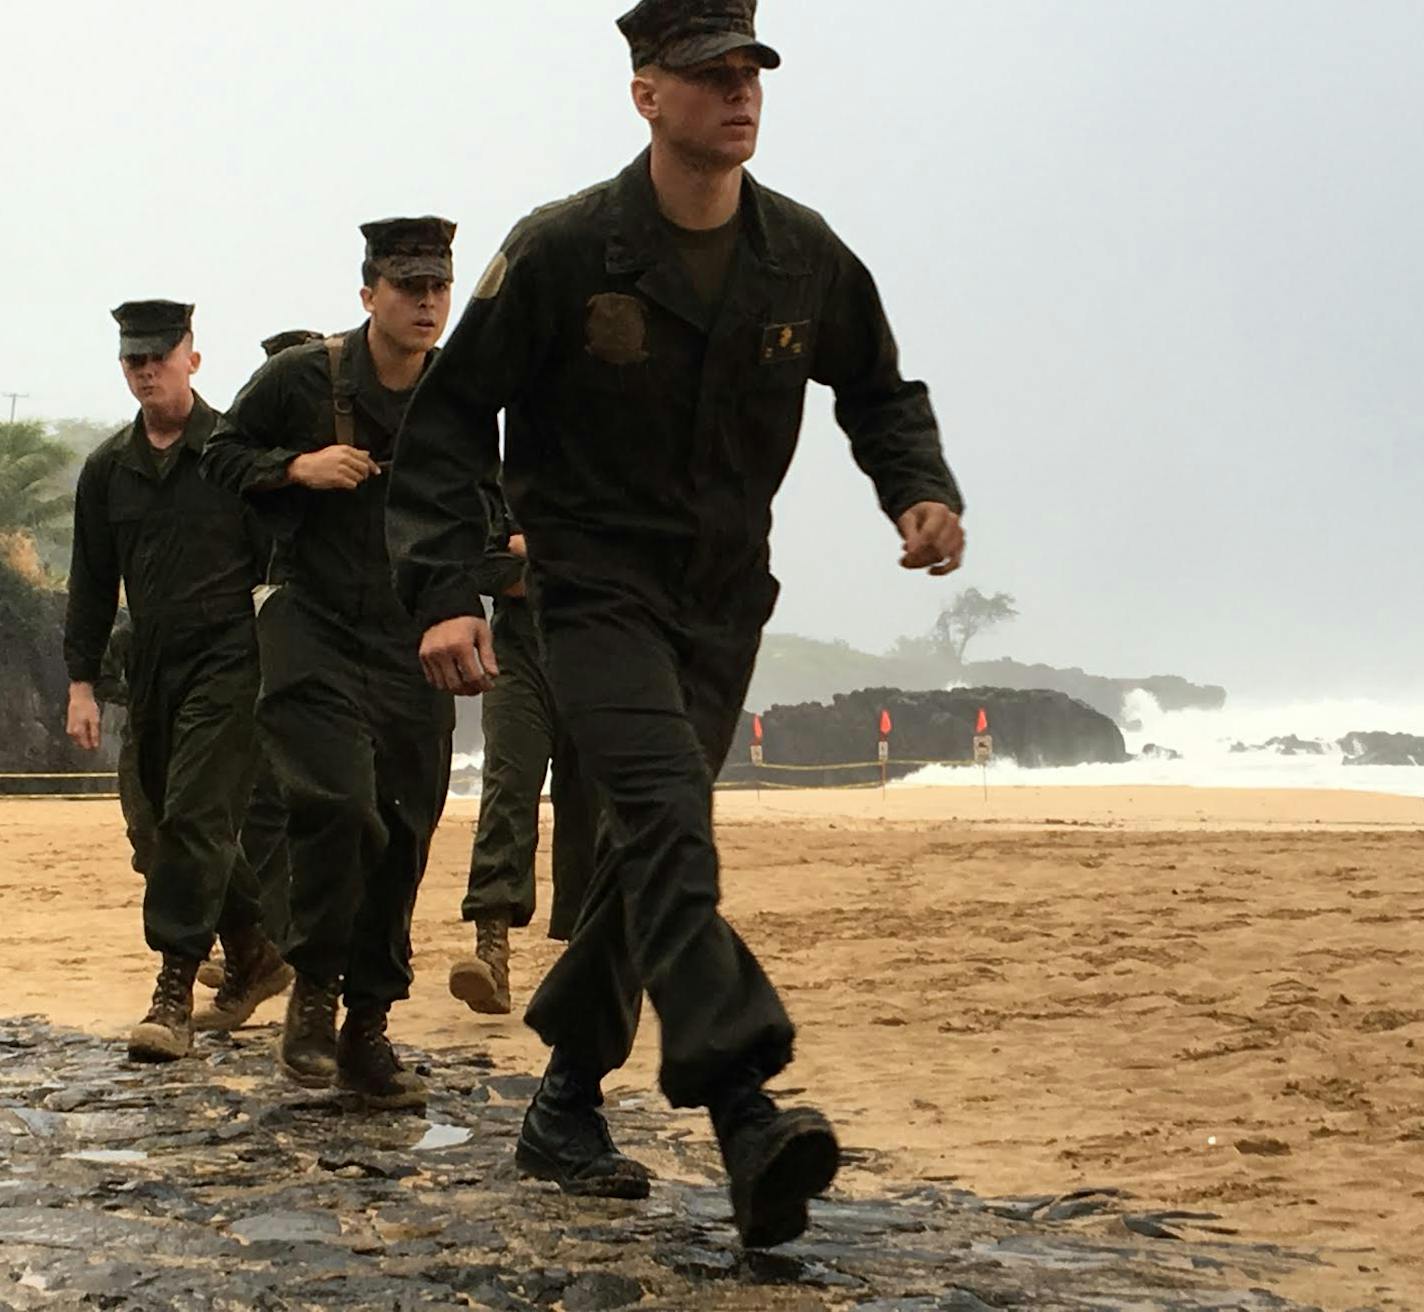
343	419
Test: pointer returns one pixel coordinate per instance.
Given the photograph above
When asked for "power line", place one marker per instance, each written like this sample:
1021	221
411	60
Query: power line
15	396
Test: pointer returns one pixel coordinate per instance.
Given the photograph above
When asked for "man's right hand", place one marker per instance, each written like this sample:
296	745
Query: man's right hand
457	656
83	721
333	469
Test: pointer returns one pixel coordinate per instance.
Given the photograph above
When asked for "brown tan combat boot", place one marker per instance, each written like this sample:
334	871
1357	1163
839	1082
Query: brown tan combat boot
253	972
212	972
166	1033
367	1065
307	1051
481	982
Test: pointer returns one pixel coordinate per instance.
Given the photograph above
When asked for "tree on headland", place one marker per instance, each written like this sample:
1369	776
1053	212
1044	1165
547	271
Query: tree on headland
967	616
31	463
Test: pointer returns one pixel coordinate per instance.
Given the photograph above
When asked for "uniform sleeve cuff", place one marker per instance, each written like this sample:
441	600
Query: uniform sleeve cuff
448	603
269	470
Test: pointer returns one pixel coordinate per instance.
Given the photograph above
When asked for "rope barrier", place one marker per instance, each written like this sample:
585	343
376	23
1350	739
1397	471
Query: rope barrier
845	765
59	797
750	785
790	769
35	774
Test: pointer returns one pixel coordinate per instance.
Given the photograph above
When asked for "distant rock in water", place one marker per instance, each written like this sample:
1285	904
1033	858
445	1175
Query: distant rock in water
1290	745
1383	749
1031	727
1155	752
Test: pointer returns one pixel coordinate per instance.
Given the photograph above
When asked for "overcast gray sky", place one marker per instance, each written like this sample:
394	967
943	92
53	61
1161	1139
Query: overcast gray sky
1160	263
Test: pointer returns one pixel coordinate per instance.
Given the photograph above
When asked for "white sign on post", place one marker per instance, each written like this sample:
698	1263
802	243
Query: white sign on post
983	749
757	754
884	751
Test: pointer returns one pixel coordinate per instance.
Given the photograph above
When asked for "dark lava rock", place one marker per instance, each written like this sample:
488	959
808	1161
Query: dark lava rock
1290	745
1031	727
1156	752
287	1227
323	1208
599	1291
33	694
1382	749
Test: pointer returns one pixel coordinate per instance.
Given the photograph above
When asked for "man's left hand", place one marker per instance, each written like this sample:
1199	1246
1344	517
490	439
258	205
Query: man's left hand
934	538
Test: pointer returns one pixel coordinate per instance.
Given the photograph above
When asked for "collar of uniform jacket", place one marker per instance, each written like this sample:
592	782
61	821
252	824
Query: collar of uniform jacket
358	377
638	238
138	455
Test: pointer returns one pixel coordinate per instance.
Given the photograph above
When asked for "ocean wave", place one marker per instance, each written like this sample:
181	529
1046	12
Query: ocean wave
1209	744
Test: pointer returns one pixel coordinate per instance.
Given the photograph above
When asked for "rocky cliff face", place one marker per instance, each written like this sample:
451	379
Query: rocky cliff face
1031	727
34	693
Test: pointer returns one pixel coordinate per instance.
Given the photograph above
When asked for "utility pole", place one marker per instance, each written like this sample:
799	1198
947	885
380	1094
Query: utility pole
15	396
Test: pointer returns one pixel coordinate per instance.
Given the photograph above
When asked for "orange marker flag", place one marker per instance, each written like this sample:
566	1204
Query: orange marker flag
983	725
756	728
885	725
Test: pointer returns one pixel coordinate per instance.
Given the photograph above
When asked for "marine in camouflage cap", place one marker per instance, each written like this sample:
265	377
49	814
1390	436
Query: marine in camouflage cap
152	327
292	337
410	248
680	33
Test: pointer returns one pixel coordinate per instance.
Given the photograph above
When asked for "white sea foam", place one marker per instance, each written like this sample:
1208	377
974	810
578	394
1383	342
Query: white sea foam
1205	740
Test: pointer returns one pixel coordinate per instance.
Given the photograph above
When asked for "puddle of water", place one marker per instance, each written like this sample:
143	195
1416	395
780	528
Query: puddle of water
110	1156
442	1136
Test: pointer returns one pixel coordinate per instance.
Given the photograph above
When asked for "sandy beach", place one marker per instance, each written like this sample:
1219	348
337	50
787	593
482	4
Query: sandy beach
1212	999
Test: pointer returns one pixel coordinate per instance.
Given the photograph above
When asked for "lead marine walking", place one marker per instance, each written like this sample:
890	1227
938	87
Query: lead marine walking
650	341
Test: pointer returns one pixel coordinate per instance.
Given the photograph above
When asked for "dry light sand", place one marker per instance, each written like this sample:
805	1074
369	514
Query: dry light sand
1051	989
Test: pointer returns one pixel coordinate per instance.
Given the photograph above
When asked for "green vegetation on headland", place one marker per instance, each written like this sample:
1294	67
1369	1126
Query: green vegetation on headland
793	669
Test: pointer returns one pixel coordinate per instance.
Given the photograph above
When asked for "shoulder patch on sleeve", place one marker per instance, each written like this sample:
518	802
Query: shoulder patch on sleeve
492	279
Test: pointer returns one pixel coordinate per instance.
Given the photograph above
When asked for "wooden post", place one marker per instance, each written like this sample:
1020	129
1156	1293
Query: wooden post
983	754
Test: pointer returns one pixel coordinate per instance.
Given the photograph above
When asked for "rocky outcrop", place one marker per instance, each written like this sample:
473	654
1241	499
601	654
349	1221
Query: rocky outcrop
1383	749
34	694
1290	745
1031	727
1156	752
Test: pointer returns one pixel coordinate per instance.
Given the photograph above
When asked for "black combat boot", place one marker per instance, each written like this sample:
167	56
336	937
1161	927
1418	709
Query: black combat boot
776	1160
367	1065
166	1033
253	971
307	1053
565	1138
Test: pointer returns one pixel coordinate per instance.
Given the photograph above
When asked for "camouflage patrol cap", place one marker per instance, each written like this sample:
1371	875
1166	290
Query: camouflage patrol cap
292	337
152	327
679	33
411	248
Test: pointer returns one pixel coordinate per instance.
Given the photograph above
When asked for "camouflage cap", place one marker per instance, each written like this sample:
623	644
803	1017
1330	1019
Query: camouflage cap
279	342
680	33
411	248
152	327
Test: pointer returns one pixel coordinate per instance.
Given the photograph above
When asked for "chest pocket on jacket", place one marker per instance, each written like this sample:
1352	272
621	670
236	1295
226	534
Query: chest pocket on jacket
783	349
